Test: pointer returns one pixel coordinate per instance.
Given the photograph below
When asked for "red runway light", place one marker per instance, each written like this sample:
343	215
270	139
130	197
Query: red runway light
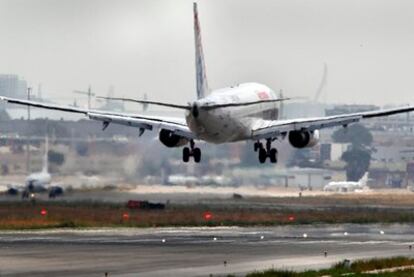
43	212
207	216
125	216
291	218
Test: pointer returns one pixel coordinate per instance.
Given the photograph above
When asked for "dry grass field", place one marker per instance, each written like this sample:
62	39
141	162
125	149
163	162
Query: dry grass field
272	211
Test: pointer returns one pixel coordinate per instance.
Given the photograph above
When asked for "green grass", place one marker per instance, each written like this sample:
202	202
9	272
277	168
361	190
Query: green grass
357	268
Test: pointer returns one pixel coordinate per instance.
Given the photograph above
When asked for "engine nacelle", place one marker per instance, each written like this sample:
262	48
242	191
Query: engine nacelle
302	139
169	139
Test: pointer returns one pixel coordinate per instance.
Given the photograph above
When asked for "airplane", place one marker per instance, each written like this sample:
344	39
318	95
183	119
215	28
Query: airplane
348	186
243	112
38	182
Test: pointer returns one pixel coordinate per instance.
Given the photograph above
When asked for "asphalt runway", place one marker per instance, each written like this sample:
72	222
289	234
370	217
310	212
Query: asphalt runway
194	251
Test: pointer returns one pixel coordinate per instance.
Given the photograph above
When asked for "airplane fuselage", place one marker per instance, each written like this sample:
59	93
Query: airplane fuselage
229	124
344	186
37	182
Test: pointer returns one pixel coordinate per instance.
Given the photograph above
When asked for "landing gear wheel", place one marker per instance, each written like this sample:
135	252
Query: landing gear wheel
257	146
186	154
191	152
197	155
273	155
266	151
262	155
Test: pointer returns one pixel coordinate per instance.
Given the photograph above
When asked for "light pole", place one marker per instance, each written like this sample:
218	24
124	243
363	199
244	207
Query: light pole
28	157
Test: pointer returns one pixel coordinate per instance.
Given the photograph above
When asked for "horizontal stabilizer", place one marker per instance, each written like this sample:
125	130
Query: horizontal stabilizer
146	102
188	107
242	104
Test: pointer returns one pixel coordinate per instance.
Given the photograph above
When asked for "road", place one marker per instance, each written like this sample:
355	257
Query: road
194	251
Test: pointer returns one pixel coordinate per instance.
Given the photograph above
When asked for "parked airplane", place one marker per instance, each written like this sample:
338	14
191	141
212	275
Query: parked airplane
346	186
248	111
38	182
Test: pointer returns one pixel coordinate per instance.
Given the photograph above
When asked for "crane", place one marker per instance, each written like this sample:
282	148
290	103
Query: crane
88	93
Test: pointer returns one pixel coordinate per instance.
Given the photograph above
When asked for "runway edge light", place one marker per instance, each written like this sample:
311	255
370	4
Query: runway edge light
43	212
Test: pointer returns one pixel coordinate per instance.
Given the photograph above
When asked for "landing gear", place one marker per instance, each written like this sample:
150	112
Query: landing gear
186	154
266	152
262	155
273	155
257	146
191	152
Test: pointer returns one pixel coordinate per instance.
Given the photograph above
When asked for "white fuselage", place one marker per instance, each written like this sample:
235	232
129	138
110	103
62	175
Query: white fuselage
229	124
38	181
344	186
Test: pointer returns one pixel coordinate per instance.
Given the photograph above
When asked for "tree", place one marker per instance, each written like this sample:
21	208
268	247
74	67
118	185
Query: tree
358	156
355	134
357	163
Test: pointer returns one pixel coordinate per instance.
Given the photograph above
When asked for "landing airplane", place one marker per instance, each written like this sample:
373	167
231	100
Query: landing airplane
248	111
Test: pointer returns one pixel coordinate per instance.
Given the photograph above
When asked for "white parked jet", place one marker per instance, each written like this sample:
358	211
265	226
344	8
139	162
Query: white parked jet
36	181
347	186
40	181
246	111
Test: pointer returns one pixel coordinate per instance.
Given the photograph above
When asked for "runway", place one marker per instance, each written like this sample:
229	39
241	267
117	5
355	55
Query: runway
194	251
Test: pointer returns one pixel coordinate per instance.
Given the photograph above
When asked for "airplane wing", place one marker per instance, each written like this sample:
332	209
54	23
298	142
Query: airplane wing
176	125
274	128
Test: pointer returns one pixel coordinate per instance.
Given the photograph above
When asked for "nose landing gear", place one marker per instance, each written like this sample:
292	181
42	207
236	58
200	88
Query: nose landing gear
266	152
191	152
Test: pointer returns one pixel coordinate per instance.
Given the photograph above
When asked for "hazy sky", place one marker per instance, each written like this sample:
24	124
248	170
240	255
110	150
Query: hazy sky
147	46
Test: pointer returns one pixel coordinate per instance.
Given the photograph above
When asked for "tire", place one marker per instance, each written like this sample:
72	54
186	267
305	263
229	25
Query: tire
262	155
197	155
256	146
273	155
186	154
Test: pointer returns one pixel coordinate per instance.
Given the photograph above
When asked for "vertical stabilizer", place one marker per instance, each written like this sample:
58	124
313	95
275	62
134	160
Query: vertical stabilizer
201	76
322	84
364	180
45	157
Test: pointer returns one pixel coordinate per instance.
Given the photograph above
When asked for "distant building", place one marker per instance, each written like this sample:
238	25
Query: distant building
345	109
383	177
303	109
326	150
116	106
12	86
393	154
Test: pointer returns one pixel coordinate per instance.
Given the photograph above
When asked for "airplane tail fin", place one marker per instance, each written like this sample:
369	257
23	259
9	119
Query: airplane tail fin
45	157
322	84
201	76
364	180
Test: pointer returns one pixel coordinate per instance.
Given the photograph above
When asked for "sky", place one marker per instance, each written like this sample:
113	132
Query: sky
147	46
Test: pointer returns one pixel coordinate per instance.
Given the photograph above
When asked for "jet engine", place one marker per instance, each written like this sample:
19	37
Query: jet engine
169	139
302	139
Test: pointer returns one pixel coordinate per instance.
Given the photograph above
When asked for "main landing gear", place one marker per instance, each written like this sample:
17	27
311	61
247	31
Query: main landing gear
191	152
266	152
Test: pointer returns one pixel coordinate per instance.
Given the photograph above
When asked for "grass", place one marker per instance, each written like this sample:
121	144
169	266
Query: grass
333	209
357	268
25	215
